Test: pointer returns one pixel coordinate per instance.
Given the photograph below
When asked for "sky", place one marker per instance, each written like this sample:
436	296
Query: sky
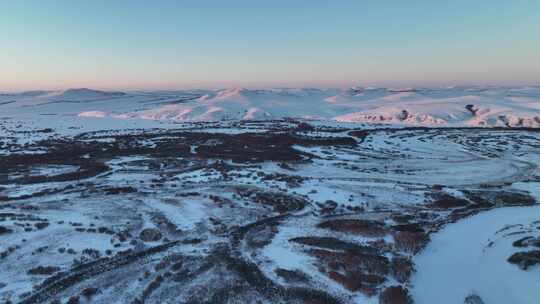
174	44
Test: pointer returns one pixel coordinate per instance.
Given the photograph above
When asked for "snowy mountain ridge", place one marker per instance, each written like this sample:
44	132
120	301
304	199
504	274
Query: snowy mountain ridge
451	106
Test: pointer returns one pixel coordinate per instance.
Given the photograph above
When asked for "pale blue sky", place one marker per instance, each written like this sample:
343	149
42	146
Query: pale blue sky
131	44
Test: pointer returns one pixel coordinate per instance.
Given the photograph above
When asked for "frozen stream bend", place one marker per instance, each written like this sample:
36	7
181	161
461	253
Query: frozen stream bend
460	261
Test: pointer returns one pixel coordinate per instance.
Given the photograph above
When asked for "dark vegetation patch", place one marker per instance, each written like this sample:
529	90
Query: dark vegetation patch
280	202
260	236
410	227
254	147
355	270
120	190
395	295
402	268
4	230
292	276
527	241
89	292
447	201
360	134
525	259
410	242
43	270
152	287
361	227
41	225
90	154
473	299
356	281
500	198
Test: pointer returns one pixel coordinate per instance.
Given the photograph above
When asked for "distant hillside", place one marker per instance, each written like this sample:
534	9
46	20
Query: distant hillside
452	106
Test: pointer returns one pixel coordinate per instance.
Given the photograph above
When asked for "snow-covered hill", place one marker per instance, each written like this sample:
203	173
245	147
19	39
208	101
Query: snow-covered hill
452	106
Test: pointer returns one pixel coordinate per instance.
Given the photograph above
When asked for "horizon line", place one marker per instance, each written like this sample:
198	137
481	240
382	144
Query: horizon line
203	87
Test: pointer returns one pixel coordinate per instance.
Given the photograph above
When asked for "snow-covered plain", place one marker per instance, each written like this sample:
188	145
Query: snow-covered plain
272	196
